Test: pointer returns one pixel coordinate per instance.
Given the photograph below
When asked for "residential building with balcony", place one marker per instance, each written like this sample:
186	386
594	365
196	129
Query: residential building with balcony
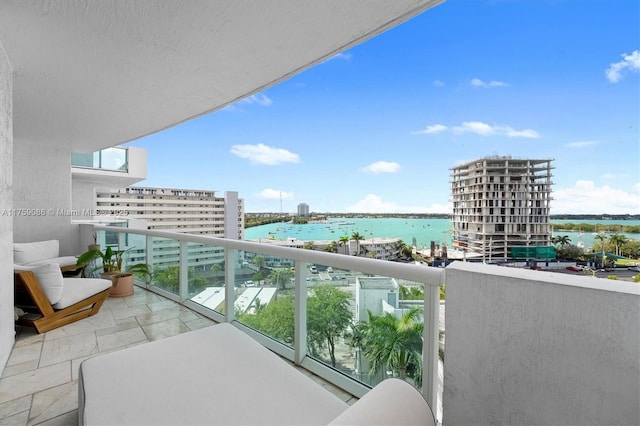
189	211
501	208
522	347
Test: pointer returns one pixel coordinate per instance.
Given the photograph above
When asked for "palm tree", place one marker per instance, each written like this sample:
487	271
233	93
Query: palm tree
357	237
564	240
617	240
602	238
344	240
395	344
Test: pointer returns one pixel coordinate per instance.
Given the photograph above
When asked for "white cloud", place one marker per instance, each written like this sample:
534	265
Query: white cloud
438	83
275	194
480	128
258	99
475	127
382	167
263	154
373	203
434	128
476	82
610	176
586	197
581	144
630	62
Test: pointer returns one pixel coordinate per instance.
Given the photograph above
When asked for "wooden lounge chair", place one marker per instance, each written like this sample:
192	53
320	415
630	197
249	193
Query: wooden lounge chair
79	298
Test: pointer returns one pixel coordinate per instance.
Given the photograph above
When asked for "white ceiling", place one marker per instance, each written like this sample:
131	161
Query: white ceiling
90	74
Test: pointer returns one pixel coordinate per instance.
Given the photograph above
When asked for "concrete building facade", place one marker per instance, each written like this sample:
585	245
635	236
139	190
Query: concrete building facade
501	204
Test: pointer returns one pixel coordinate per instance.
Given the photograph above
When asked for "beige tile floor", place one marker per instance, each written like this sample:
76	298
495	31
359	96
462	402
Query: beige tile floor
39	385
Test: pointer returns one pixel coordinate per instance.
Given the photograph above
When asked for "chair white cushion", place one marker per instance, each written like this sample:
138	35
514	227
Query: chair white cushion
51	281
77	289
24	253
60	261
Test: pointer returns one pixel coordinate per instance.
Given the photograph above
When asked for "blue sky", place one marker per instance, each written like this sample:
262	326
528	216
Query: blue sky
377	128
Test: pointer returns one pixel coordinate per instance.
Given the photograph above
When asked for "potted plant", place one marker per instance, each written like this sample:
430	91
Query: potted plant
112	269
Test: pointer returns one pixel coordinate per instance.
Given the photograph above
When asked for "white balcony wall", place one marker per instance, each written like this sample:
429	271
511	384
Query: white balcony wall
532	347
42	181
7	332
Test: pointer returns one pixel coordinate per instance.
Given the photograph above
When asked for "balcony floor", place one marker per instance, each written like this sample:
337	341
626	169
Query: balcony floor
39	385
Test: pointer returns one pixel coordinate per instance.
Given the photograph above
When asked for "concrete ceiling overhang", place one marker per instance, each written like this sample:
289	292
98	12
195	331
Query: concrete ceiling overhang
90	74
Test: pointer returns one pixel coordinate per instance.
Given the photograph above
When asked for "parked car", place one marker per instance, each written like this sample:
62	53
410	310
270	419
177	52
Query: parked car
575	268
313	269
634	268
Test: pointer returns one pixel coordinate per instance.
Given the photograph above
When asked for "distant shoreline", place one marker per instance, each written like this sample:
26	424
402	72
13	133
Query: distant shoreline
448	216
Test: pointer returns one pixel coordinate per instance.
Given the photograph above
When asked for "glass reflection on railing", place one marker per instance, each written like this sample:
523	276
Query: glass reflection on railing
365	326
264	295
206	276
115	159
165	264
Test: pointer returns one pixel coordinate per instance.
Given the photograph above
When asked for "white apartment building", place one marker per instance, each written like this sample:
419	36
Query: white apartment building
501	208
181	210
187	211
303	209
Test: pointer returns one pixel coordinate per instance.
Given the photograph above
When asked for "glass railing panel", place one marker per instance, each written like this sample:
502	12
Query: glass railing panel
206	275
264	295
114	158
361	324
82	159
165	264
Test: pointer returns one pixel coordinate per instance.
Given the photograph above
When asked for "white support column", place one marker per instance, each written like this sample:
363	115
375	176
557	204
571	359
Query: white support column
430	345
184	272
230	283
300	316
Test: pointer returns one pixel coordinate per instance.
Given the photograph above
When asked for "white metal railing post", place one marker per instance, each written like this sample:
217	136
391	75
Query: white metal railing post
183	291
229	283
300	315
430	344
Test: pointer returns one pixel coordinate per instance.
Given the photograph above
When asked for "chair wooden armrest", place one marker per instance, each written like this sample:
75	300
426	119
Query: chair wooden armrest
31	298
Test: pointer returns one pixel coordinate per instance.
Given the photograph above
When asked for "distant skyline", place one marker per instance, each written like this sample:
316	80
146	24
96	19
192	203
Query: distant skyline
375	129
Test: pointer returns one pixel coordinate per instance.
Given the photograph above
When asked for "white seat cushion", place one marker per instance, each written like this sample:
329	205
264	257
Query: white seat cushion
213	376
24	253
60	261
77	289
50	280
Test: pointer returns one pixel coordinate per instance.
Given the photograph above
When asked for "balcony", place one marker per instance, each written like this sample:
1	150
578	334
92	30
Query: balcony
516	340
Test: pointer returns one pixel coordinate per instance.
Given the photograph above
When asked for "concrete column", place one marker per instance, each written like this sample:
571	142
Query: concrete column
7	330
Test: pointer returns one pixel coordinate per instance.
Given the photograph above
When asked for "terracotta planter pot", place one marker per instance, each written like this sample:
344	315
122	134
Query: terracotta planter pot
122	285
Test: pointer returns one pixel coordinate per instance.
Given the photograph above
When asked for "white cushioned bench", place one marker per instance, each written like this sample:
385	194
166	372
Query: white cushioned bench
220	376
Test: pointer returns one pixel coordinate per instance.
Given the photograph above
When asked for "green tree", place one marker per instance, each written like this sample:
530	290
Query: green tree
411	292
259	262
332	247
569	251
395	344
280	277
328	317
274	319
357	237
308	245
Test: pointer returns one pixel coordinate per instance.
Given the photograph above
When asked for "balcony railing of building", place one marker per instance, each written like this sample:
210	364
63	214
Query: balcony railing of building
310	307
112	159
